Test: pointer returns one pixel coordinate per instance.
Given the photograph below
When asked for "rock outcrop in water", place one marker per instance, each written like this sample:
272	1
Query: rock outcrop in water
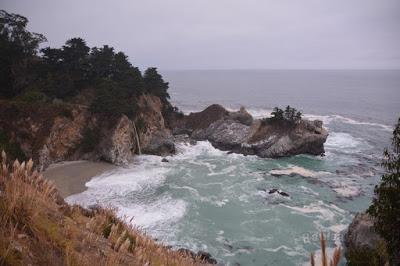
238	132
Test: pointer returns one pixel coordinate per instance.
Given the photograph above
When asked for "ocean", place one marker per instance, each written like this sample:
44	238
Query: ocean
206	199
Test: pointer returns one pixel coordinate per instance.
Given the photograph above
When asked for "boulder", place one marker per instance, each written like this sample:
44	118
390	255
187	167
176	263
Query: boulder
224	134
241	116
202	255
361	239
361	233
200	120
160	143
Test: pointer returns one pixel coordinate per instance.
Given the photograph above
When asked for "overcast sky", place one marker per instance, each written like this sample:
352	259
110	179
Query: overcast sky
227	34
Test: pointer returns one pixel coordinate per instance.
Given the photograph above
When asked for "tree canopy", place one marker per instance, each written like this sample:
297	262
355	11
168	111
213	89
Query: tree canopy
17	45
154	83
289	116
62	73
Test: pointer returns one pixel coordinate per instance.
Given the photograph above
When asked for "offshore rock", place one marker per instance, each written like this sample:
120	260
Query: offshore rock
238	132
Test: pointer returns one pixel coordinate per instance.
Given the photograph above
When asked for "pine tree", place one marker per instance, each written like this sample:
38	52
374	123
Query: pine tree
155	84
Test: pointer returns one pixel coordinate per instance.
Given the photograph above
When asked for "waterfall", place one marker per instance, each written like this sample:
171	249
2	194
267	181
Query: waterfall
137	138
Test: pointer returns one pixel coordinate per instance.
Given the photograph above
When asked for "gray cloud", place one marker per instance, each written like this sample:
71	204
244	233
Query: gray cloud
204	34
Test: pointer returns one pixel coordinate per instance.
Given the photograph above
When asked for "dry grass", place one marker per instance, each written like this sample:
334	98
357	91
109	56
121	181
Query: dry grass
39	228
324	256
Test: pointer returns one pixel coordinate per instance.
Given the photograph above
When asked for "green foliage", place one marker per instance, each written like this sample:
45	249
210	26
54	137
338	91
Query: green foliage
385	206
154	83
62	73
113	100
33	96
289	116
366	256
16	45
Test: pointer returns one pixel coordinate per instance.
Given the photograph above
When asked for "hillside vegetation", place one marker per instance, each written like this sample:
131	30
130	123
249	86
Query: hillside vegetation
39	228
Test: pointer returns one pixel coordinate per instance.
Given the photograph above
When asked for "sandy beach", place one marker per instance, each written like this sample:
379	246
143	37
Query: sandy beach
70	177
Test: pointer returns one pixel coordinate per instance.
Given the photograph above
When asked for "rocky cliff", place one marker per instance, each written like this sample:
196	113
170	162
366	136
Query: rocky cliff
364	246
238	132
155	137
50	133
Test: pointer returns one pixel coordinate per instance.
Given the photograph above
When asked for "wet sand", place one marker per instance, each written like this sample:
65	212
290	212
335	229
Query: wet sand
70	177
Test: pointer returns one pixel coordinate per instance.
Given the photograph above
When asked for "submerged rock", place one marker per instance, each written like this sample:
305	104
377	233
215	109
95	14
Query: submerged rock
240	133
164	160
202	255
280	192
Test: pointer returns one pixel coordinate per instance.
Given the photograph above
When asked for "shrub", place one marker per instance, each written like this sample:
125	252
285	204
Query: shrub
365	256
11	148
33	96
67	113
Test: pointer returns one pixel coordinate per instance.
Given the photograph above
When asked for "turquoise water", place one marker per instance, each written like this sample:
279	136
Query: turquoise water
206	199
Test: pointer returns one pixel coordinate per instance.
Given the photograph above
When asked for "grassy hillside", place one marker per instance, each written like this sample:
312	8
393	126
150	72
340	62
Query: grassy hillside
39	228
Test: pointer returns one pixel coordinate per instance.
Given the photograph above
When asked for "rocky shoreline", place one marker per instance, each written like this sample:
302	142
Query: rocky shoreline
53	133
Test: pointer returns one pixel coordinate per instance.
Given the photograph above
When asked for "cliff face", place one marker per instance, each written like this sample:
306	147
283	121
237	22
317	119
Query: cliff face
50	133
155	137
364	246
239	132
45	133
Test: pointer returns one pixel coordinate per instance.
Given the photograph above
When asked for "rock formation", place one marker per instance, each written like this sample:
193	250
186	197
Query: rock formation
50	133
361	233
363	244
155	138
239	132
118	144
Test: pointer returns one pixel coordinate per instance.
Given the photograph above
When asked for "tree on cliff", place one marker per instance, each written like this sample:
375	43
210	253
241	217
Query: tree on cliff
63	73
66	70
289	115
154	83
385	207
17	46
